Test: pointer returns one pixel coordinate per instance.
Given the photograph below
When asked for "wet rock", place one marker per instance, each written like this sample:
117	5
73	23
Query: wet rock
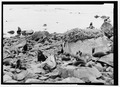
6	78
31	74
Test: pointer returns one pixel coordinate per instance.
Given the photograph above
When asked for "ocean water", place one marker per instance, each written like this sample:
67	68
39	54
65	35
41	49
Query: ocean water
57	18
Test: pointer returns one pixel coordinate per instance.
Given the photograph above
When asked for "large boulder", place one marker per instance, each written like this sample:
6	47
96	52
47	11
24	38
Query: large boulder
100	51
107	28
85	46
6	78
108	59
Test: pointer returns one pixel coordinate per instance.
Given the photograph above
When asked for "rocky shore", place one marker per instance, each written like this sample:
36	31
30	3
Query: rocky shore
76	56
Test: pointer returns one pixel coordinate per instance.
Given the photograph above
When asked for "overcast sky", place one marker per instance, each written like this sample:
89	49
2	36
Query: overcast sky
34	16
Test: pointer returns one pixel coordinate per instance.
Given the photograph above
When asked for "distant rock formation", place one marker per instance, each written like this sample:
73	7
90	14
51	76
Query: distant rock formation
11	32
107	28
27	32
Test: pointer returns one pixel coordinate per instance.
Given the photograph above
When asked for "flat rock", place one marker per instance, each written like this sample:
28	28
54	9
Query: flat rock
32	81
31	74
6	78
29	32
43	78
10	74
11	81
108	59
86	72
99	67
21	75
7	68
66	71
100	51
71	80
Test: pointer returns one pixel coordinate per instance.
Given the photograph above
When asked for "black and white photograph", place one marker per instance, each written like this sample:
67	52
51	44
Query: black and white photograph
59	43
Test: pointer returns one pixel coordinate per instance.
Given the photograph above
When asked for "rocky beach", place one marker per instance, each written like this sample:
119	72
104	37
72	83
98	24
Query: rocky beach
58	46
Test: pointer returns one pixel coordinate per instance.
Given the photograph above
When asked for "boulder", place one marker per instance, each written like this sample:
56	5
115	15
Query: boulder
108	59
27	32
86	72
100	51
21	75
99	67
51	61
6	78
11	81
71	80
107	28
83	46
32	80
